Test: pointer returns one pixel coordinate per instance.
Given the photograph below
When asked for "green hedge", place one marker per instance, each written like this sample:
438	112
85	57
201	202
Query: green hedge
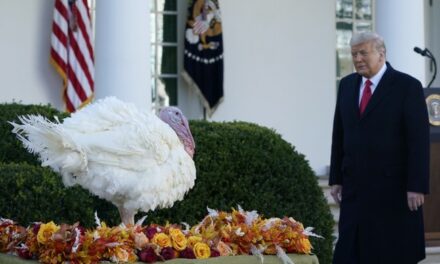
11	150
31	193
237	163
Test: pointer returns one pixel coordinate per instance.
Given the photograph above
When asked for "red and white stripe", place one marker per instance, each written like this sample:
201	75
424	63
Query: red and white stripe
72	51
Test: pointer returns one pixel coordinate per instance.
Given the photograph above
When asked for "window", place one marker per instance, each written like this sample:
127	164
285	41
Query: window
164	52
351	16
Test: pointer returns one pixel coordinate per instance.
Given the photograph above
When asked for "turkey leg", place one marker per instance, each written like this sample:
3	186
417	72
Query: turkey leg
127	216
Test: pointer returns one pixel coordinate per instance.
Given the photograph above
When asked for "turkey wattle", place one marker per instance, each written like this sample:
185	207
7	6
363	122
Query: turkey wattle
132	158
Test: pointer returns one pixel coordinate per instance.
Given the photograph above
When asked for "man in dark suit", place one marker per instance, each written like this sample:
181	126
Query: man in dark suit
379	169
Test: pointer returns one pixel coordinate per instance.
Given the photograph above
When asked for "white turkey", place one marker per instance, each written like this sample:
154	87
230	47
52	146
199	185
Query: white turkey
132	158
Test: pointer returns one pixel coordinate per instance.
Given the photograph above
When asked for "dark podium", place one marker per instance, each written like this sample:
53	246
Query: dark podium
432	201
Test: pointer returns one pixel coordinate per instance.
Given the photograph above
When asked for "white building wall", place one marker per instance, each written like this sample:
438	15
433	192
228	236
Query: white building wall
280	70
25	73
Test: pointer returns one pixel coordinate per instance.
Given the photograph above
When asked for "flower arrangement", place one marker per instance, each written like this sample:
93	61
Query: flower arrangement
218	234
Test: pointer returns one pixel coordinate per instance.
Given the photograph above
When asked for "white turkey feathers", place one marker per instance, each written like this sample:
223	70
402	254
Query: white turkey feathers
126	156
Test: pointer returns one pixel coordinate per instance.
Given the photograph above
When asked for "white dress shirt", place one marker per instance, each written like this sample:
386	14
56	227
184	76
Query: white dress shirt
374	80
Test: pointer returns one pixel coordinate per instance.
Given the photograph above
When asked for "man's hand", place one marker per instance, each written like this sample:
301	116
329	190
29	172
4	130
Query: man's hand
336	191
415	200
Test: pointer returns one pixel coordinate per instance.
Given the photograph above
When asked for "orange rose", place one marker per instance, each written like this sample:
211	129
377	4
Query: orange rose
224	249
120	255
202	250
270	250
161	240
140	240
306	246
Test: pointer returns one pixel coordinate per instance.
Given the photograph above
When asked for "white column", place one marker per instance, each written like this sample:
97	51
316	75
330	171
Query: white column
402	24
122	51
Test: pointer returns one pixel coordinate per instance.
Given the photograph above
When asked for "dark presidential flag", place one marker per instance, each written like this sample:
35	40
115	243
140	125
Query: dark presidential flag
203	62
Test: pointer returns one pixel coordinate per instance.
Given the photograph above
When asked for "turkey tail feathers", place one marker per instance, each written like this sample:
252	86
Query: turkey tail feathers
53	145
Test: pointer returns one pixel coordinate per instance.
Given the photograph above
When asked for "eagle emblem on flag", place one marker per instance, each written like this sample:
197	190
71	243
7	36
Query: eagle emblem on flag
203	62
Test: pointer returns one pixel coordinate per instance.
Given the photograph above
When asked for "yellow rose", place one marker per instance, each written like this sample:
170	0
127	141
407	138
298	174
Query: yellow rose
192	240
178	239
161	240
46	231
201	250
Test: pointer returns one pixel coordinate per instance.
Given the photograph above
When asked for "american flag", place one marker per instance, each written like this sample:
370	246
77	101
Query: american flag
72	53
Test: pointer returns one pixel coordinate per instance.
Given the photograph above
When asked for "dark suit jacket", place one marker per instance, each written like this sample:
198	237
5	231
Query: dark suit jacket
377	158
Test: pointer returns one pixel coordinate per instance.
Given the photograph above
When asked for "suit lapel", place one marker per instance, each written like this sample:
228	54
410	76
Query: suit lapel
382	89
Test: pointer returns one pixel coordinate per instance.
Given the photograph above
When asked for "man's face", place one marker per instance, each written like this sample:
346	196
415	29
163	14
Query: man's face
366	59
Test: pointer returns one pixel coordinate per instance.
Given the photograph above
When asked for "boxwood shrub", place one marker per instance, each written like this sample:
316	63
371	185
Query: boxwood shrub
237	163
11	149
30	193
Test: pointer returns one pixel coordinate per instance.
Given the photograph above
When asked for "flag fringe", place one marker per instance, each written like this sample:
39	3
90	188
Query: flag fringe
192	84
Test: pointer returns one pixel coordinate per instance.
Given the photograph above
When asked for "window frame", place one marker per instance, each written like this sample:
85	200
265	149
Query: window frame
160	96
354	21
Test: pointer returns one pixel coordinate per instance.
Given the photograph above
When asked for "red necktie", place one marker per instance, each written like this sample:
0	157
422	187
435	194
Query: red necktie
366	95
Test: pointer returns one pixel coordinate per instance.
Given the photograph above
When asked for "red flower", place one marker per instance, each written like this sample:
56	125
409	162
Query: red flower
214	253
150	232
168	253
187	253
148	255
36	228
24	253
82	230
